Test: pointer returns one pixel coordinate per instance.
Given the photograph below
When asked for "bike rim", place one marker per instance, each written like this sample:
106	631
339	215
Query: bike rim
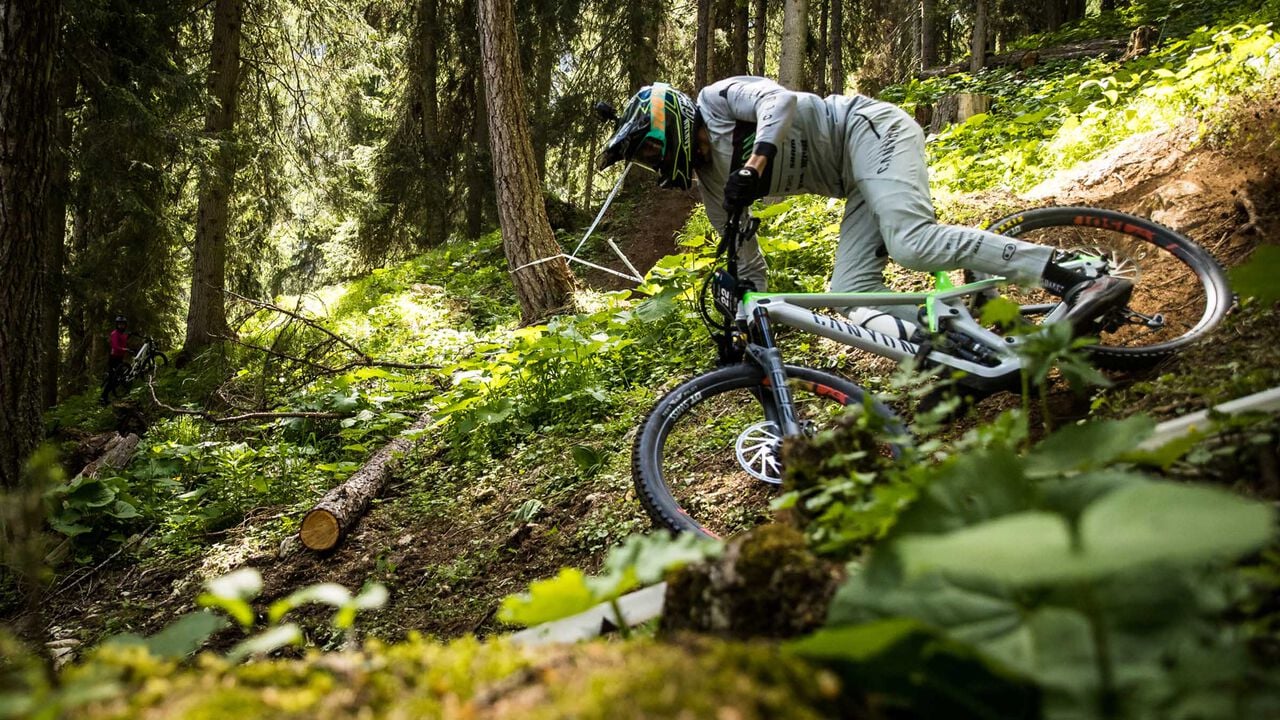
701	451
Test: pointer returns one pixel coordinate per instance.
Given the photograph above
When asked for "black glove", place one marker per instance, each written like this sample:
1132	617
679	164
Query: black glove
743	188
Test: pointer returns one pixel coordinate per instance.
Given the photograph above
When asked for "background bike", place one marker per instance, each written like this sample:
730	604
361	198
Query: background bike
143	363
707	458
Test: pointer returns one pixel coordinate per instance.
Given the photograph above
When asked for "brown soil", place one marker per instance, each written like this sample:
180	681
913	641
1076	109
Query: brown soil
643	221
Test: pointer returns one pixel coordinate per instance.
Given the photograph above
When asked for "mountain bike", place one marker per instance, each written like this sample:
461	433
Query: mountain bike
707	458
143	363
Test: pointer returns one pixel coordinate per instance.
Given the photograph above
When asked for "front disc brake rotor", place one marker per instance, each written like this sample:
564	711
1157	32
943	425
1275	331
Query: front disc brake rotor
758	452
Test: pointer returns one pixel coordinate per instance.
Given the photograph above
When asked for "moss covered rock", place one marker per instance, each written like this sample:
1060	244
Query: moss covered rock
766	584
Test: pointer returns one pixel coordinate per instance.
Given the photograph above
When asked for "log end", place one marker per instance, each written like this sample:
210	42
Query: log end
320	530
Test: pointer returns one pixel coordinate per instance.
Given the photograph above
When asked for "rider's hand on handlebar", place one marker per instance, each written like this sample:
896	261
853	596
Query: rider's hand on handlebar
743	188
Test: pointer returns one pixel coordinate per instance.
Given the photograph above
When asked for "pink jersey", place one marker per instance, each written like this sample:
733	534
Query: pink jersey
119	344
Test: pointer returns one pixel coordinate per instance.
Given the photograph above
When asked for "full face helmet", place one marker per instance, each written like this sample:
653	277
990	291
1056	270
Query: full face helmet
121	320
656	130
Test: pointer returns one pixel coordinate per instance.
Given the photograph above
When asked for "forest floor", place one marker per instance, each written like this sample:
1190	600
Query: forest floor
450	551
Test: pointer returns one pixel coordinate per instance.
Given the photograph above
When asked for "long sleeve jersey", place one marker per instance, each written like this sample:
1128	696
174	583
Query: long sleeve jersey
803	135
119	343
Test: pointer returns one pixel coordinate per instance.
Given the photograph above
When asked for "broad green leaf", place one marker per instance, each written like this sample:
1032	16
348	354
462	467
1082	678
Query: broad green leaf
241	584
856	642
587	458
1127	528
1001	311
1257	277
185	635
239	610
266	642
331	594
559	597
651	556
373	596
915	666
1091	445
1164	522
123	510
1026	548
91	493
973	488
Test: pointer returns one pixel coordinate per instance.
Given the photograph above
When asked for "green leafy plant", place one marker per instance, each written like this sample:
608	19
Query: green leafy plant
1070	570
641	560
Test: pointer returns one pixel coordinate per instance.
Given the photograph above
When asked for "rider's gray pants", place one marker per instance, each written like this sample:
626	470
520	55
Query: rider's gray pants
889	214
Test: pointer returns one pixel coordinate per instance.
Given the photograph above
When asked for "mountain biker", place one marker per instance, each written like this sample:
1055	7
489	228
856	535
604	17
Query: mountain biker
749	137
119	340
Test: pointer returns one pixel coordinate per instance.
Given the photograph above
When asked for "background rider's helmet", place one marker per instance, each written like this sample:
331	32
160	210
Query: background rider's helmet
121	319
656	130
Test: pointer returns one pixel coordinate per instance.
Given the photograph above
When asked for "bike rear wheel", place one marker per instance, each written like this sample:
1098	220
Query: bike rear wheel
705	459
1180	292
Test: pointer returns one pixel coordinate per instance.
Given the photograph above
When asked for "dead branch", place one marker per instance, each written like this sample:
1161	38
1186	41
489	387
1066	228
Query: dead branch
302	319
219	420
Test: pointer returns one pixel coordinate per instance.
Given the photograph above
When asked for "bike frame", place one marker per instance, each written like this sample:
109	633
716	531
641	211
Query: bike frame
945	310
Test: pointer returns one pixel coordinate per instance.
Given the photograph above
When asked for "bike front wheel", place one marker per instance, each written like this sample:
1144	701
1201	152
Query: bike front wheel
706	459
1180	292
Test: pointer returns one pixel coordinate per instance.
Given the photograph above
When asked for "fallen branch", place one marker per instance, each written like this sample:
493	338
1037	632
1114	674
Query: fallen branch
302	319
221	419
333	517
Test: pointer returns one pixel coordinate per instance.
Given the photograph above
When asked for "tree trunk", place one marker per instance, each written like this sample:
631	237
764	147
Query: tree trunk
1053	11
795	27
207	313
55	254
544	62
28	44
546	287
741	43
436	228
78	331
821	58
837	47
758	40
702	46
978	41
928	34
642	68
333	517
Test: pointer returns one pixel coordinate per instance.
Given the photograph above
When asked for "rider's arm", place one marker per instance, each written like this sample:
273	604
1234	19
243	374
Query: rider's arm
754	99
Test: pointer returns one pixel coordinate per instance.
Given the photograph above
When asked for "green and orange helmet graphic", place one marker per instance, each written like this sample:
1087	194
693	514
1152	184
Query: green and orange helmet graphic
656	130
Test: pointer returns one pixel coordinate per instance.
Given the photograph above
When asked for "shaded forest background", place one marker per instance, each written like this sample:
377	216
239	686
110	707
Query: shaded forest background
324	139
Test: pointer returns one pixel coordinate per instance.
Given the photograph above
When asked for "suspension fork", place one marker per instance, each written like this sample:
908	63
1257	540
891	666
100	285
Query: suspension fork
778	405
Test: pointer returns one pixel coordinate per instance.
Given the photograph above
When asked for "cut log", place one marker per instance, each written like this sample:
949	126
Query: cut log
337	512
118	452
970	104
1073	51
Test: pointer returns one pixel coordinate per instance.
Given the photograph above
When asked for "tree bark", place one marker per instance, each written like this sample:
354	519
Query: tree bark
207	314
55	254
741	42
821	59
642	69
837	47
546	287
702	46
324	526
28	45
795	30
978	40
928	34
761	33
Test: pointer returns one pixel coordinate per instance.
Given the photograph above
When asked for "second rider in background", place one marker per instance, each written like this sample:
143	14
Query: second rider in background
749	137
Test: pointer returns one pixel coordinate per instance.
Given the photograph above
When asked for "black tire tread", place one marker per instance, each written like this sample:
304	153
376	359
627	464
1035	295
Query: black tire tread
1202	263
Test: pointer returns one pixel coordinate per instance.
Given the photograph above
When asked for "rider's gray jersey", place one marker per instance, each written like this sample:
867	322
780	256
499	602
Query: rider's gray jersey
809	132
